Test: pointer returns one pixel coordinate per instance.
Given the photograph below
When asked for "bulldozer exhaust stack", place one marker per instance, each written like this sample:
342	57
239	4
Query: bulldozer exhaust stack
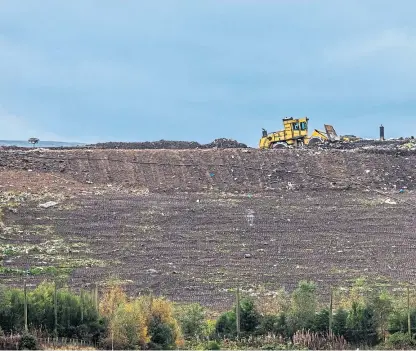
382	133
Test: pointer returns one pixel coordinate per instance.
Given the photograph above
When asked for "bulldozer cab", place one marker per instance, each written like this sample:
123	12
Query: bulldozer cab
296	125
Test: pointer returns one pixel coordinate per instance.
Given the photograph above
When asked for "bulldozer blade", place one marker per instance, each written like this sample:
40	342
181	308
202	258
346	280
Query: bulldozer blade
279	146
315	141
332	134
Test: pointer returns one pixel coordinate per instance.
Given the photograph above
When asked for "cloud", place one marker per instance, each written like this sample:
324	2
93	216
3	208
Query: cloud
385	44
12	126
144	69
18	128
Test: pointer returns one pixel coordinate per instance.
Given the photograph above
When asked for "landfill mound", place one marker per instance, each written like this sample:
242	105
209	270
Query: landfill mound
169	144
234	169
221	143
371	145
191	224
403	145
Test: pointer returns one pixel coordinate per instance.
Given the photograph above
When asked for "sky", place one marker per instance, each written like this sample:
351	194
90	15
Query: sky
142	70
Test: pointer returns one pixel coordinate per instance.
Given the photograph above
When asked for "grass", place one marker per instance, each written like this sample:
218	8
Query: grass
52	252
344	271
48	248
47	270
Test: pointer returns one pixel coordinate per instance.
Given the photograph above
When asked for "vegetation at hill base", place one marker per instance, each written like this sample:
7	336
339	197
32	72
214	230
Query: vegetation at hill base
363	316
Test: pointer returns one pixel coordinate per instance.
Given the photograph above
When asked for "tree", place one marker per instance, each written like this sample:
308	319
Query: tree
359	292
274	324
303	306
382	305
126	320
164	329
112	298
192	320
162	336
33	141
398	321
249	323
144	322
274	304
11	309
127	327
226	324
250	317
361	325
339	322
321	322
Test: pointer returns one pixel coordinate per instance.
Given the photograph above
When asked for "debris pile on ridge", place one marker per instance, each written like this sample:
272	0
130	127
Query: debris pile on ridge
222	143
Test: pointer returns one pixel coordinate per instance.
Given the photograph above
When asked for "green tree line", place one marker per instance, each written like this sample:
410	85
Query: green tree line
364	316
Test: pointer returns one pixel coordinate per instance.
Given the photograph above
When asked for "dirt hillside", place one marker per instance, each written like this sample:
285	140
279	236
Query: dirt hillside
223	169
191	224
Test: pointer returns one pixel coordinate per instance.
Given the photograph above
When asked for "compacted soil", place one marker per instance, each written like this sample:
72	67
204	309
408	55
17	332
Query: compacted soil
193	224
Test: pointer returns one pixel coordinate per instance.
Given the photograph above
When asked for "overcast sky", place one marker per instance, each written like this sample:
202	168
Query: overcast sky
135	70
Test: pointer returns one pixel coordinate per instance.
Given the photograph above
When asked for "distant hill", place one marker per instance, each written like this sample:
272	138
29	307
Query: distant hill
22	143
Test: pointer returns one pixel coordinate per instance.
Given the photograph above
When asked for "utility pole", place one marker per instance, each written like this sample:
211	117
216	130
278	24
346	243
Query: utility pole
330	311
55	311
238	313
25	291
25	306
112	339
82	305
409	326
96	296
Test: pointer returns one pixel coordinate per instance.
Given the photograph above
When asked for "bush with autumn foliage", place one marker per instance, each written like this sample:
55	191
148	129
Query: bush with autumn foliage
138	323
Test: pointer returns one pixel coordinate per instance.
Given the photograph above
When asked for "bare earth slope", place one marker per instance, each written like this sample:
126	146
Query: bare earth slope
191	224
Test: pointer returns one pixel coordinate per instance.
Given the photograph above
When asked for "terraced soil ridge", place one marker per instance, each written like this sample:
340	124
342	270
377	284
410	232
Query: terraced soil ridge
241	170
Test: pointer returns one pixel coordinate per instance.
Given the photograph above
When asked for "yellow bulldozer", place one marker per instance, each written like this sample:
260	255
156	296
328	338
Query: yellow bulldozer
295	133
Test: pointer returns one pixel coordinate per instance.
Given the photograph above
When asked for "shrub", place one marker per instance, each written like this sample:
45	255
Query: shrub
276	325
303	306
163	326
162	337
361	325
226	324
250	317
126	321
400	341
339	322
209	328
321	322
192	320
398	321
28	342
213	345
249	322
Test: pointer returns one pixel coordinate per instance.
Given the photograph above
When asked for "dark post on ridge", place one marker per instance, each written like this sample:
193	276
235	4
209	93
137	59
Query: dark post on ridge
381	132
